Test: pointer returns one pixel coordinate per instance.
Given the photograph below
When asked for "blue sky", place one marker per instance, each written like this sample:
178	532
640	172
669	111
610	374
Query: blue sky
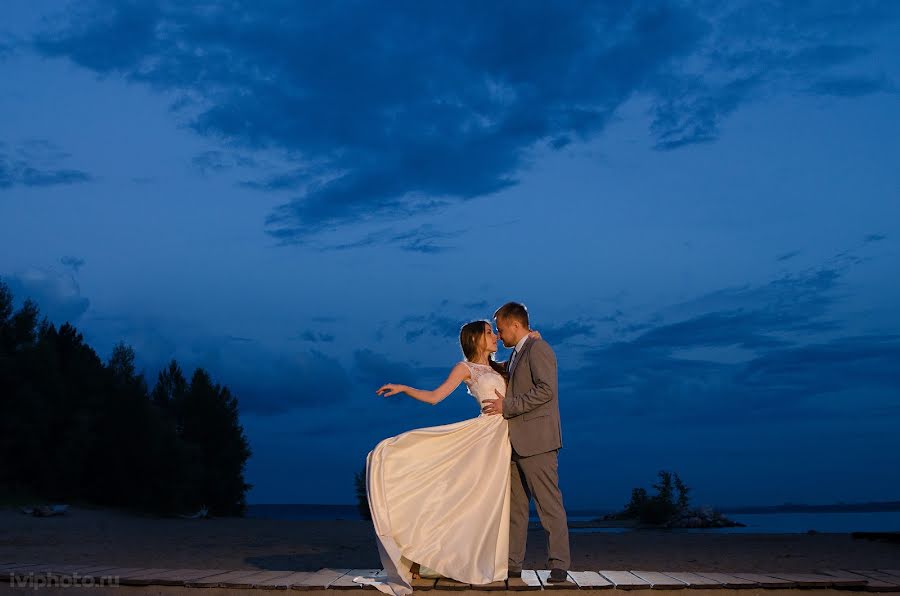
697	201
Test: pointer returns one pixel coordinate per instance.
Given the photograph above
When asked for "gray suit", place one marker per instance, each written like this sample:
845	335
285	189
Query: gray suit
531	406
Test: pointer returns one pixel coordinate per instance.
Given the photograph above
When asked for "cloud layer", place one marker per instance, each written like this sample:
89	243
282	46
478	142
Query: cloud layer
751	354
36	163
391	111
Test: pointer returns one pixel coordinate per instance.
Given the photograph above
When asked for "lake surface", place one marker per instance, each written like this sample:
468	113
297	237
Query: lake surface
757	523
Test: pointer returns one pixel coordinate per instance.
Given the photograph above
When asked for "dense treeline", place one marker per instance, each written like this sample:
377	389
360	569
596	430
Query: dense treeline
74	428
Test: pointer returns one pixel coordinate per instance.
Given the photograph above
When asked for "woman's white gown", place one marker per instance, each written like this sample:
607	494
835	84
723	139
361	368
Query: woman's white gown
439	497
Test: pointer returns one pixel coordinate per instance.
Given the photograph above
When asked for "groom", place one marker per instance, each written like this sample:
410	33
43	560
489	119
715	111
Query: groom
531	405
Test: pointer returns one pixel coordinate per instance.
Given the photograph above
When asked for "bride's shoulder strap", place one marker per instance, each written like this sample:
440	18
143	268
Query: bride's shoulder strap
470	368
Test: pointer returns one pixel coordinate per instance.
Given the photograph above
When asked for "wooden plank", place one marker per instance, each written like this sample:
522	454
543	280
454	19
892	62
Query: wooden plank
422	584
544	575
491	587
259	580
147	577
529	576
817	580
446	583
872	585
321	579
528	581
174	577
659	581
623	580
693	580
844	581
345	582
338	575
138	578
874	574
331	575
283	582
804	580
728	580
768	580
590	580
187	575
94	571
113	572
231	579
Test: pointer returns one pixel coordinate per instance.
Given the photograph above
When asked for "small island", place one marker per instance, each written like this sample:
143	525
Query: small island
668	508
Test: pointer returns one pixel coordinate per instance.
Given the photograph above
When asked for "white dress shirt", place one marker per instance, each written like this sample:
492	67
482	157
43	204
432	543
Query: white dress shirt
516	350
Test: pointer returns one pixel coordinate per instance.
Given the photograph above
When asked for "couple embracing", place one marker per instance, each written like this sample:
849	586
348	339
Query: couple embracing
453	500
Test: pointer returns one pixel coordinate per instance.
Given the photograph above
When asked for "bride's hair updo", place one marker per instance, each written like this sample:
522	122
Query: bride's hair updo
470	336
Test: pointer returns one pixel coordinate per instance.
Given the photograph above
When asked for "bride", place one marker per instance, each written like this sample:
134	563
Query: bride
439	496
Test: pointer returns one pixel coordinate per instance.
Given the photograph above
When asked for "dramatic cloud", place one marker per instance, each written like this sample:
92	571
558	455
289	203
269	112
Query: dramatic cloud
220	161
435	324
266	380
272	382
34	163
376	369
788	255
74	263
556	334
852	86
393	111
316	336
424	239
771	350
57	295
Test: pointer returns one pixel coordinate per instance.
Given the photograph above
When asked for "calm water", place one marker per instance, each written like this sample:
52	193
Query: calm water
757	523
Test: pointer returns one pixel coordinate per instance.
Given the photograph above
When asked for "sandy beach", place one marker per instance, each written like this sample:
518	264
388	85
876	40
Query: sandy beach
86	535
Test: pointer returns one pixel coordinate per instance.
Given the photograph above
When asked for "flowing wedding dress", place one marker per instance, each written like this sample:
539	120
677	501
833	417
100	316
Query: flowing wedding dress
439	497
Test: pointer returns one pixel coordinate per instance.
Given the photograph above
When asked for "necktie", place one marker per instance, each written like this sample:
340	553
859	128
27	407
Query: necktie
512	358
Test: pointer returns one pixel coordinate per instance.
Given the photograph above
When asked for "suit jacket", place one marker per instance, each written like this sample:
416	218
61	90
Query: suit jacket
531	404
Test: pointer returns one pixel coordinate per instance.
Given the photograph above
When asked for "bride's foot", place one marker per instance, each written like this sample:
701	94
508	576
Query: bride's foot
414	569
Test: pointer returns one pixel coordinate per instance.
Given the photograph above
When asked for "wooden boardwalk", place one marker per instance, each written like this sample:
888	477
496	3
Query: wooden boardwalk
44	574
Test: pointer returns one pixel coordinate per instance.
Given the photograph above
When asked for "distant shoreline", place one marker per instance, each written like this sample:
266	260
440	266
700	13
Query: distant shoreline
871	507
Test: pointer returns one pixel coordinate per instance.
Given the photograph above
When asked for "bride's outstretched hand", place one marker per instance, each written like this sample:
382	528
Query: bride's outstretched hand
390	389
535	334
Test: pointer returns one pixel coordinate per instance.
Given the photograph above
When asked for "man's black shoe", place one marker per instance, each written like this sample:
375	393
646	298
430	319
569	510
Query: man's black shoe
558	576
514	573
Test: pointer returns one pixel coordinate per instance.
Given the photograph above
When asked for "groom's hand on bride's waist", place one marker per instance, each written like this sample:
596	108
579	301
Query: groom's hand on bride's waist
493	406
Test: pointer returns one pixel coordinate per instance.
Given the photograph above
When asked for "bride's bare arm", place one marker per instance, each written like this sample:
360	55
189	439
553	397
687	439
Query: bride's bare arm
459	373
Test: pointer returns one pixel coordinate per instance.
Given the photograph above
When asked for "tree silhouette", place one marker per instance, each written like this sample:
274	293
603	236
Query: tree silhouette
362	496
169	392
661	507
210	419
75	428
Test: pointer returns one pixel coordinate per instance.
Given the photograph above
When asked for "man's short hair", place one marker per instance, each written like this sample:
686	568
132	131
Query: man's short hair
513	311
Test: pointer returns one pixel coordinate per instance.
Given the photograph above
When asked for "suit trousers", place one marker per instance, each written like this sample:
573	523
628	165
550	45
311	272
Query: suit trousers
537	477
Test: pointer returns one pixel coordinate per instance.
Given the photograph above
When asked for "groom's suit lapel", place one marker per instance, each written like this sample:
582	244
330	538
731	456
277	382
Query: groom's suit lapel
525	347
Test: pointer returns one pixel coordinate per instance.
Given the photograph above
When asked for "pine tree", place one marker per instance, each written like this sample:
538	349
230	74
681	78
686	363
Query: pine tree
72	427
211	426
169	392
